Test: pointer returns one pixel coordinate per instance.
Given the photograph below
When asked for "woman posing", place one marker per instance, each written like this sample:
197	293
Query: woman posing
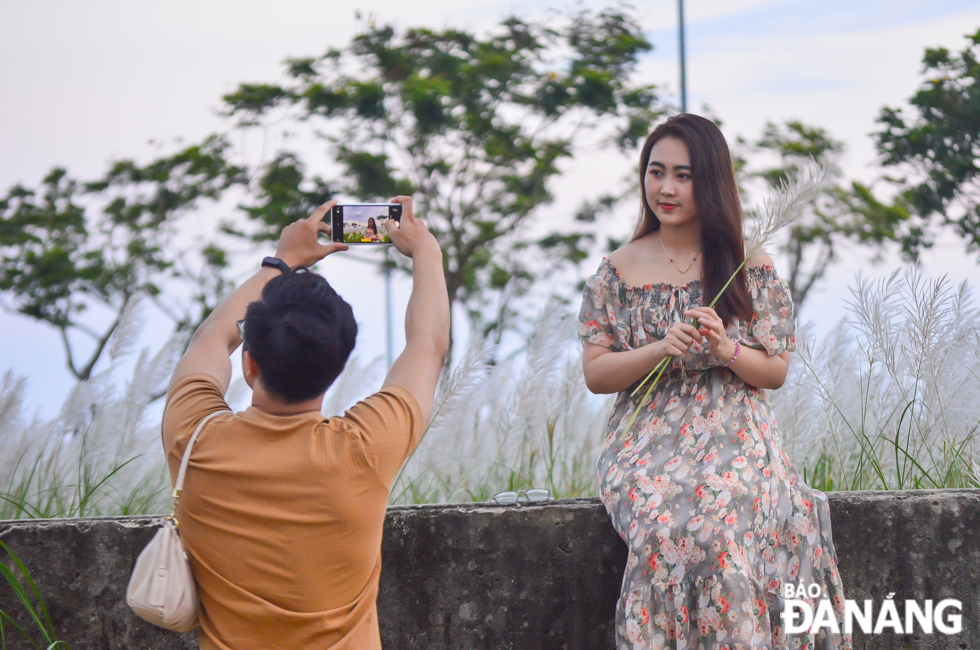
371	231
716	518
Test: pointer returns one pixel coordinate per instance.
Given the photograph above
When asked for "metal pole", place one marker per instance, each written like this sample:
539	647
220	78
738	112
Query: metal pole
680	11
391	343
388	326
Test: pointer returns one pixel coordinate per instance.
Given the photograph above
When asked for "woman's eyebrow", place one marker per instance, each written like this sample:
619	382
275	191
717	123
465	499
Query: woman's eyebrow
662	166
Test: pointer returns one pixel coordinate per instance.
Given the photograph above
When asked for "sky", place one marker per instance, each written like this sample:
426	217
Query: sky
88	83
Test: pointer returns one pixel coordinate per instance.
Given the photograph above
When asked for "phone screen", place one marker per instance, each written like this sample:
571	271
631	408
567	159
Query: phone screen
365	224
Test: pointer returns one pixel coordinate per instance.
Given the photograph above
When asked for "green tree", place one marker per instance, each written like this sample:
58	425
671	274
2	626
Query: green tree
68	246
842	212
936	141
280	197
475	127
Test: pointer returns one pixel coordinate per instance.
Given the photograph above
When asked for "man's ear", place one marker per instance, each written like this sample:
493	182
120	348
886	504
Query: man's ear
250	369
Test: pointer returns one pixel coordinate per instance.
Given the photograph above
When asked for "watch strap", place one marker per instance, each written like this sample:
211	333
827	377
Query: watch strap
276	263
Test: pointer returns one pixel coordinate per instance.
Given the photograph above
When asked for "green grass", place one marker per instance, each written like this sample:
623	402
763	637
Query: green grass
53	482
81	489
19	581
355	238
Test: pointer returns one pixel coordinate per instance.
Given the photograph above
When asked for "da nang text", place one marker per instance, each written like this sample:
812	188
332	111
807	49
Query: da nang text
799	615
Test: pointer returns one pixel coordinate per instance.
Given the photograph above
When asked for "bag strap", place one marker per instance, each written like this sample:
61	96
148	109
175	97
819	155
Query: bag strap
179	484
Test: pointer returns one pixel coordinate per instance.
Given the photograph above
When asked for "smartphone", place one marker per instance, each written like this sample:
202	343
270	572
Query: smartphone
363	223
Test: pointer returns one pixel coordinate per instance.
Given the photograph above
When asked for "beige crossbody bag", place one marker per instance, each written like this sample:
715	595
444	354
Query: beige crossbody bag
161	589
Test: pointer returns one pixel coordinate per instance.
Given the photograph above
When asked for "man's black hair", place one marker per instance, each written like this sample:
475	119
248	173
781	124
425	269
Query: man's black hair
300	333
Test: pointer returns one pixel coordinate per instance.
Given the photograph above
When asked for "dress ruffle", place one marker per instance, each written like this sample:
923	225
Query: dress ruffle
698	614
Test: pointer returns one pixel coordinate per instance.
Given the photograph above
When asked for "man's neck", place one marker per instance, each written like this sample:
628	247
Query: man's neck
261	401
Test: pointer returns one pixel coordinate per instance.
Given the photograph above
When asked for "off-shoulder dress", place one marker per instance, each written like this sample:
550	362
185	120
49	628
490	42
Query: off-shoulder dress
716	518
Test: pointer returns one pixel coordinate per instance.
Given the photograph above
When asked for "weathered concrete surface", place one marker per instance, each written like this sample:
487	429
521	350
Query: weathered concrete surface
918	544
81	567
495	577
543	576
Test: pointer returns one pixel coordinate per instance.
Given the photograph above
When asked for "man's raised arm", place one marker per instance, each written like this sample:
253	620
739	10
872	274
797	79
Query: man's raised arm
217	337
427	317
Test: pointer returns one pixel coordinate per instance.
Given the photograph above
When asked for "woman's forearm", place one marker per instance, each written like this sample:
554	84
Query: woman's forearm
611	372
757	368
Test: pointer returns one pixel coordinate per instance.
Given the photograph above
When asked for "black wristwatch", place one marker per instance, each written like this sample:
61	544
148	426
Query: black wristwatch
276	263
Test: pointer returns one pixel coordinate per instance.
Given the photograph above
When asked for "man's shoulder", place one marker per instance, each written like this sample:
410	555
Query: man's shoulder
390	402
399	391
405	396
389	424
193	381
190	399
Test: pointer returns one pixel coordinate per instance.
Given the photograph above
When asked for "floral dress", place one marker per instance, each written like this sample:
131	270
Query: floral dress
715	516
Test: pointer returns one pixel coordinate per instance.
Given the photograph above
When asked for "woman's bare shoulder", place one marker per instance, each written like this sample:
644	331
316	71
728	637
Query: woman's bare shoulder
620	256
628	254
761	258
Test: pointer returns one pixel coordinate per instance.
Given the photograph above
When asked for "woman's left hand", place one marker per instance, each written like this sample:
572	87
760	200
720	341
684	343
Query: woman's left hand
712	328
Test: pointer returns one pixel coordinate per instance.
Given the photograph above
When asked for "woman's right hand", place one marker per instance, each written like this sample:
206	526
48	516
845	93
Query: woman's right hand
607	371
678	339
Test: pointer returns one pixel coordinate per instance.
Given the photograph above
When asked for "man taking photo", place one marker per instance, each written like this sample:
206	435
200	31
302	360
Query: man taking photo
282	509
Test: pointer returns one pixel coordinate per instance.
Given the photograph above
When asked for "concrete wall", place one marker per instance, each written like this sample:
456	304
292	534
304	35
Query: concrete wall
544	576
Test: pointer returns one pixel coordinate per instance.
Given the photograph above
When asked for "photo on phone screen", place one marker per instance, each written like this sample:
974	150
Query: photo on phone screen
365	224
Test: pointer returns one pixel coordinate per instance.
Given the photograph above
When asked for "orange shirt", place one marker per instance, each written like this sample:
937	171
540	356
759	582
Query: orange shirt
281	516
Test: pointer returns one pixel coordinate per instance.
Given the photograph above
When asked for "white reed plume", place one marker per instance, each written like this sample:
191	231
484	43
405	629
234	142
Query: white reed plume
544	355
353	384
126	334
785	205
455	391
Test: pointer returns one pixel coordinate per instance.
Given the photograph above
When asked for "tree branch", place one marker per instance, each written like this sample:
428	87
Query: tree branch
819	269
85	328
100	345
68	353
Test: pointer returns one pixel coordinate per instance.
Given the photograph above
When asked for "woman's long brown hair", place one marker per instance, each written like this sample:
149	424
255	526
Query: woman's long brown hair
717	206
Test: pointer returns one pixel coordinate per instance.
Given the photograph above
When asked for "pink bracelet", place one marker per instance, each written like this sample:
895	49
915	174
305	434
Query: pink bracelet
738	348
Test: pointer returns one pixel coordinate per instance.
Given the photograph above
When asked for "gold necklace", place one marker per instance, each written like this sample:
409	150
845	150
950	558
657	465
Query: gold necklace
684	272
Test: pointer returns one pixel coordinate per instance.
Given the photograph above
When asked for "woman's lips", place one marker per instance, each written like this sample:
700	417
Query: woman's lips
668	206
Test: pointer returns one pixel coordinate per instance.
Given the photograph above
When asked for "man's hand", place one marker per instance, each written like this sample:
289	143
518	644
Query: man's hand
298	243
217	337
410	236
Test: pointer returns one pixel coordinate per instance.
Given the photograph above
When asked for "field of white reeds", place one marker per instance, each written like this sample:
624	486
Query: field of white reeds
527	421
889	400
99	455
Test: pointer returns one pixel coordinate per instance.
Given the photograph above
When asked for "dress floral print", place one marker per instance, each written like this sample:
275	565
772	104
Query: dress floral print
715	516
